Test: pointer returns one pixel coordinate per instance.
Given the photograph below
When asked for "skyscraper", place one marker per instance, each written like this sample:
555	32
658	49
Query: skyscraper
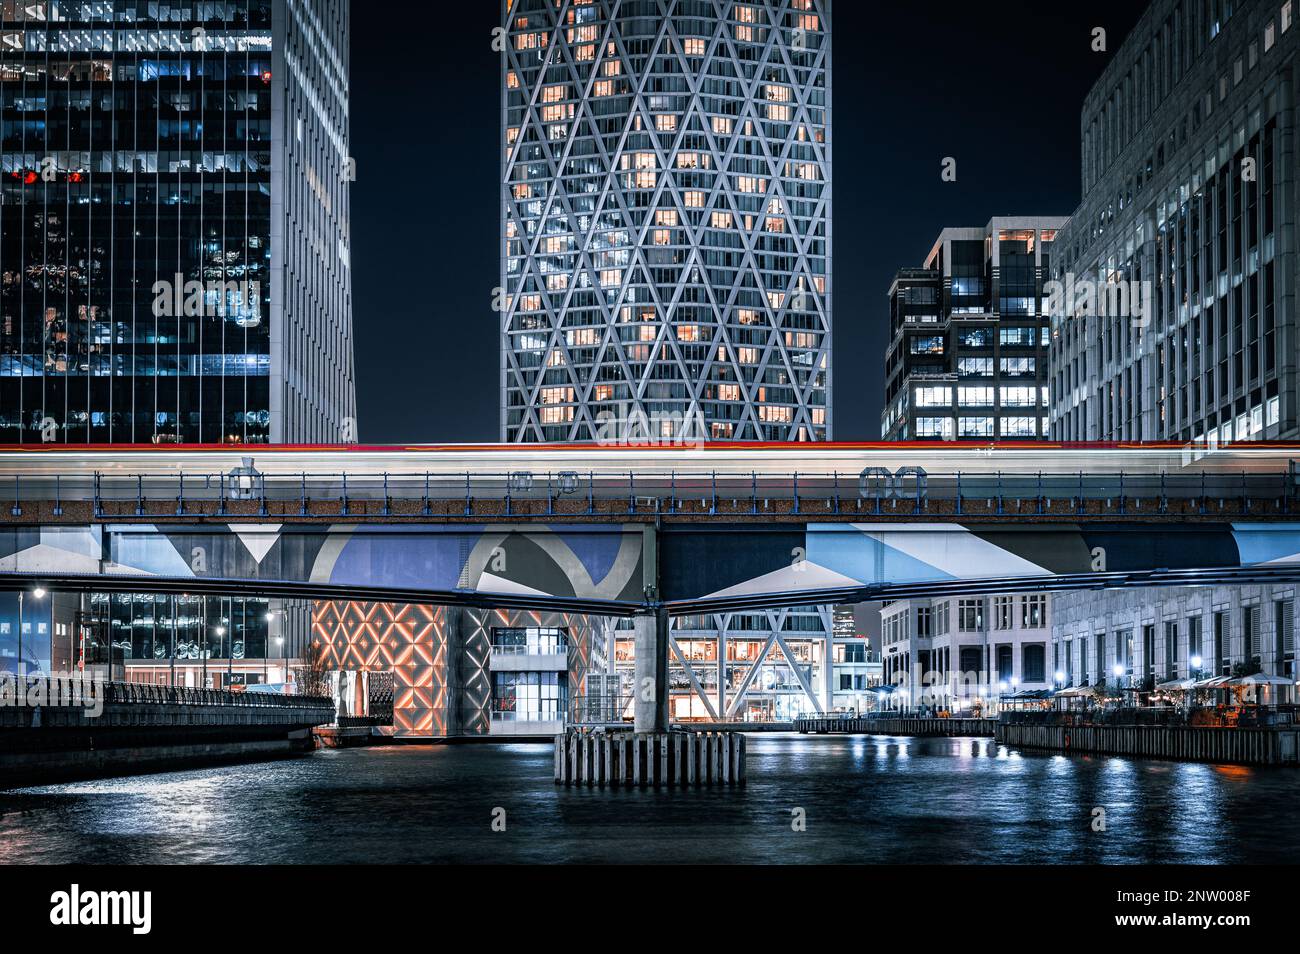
1189	169
666	212
1187	177
174	225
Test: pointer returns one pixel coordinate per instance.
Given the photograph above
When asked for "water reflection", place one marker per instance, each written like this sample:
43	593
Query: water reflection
866	799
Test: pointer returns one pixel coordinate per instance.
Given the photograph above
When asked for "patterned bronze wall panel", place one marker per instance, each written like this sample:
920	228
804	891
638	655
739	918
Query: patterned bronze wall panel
417	644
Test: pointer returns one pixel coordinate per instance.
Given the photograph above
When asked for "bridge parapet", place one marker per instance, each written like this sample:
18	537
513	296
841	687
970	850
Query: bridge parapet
647	496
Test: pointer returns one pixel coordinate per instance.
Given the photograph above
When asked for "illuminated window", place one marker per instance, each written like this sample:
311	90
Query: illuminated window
557	395
775	414
721	220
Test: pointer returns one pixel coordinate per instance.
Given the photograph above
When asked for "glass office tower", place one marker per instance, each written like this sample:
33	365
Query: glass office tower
174	222
666	214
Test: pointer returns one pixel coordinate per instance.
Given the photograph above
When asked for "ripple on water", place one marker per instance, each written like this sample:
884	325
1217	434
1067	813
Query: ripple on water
868	799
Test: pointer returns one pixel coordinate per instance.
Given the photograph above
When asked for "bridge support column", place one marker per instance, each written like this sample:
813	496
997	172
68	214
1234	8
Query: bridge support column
650	708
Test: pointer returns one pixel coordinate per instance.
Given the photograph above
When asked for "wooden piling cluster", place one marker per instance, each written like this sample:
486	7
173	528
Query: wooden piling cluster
618	757
1263	746
916	726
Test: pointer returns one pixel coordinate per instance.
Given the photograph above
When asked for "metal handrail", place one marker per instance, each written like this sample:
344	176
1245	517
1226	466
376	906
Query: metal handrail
17	690
418	495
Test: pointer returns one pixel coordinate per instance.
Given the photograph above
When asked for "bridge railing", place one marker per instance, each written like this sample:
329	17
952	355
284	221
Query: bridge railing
574	493
21	691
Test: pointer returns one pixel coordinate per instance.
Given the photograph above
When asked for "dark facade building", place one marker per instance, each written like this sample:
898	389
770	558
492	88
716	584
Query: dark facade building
967	358
174	222
1189	170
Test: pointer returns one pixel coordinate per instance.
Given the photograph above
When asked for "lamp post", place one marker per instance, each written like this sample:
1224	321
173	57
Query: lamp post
270	616
221	632
1118	670
20	669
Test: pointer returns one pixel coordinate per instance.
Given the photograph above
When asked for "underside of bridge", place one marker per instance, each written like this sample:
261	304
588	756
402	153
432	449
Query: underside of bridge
512	628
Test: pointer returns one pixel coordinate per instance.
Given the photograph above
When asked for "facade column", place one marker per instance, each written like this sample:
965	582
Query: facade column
650	706
453	634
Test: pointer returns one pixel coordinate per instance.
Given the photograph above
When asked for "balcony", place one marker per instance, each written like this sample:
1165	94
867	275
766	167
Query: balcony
512	658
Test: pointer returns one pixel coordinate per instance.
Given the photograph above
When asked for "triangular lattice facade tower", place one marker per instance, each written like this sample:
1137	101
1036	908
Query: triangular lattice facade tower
666	212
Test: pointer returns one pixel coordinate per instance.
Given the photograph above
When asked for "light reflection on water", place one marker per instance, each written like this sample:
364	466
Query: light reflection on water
866	799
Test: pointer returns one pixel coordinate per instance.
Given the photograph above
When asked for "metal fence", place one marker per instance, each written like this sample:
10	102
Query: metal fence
600	709
573	493
18	690
1168	716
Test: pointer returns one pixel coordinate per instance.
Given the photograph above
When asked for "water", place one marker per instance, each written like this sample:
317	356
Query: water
866	800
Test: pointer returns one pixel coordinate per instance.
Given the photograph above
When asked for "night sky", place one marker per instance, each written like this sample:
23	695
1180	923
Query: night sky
997	86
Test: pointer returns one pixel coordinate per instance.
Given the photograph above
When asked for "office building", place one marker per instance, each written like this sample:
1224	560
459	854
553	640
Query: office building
174	234
1143	637
856	669
1189	165
965	653
762	666
666	210
967	357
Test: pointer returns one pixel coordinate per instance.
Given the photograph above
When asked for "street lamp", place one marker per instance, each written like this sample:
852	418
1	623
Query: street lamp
20	668
1060	678
221	632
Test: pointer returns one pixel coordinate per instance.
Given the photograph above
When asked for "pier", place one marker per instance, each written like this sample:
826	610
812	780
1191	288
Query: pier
1267	745
904	725
675	758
